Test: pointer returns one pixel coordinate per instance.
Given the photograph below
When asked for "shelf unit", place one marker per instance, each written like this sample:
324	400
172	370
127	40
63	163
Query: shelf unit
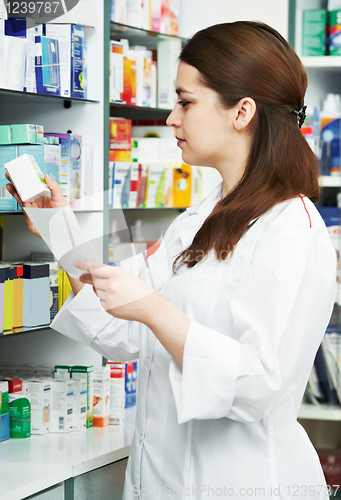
322	422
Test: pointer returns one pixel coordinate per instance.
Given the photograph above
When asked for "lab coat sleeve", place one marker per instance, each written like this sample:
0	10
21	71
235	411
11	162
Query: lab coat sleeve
280	311
82	318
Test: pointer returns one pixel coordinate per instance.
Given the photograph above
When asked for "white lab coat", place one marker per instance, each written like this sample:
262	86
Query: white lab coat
224	425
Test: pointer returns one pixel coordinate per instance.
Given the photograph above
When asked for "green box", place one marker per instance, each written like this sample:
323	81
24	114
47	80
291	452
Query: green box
24	134
78	372
335	32
314	32
19	429
5	135
19	406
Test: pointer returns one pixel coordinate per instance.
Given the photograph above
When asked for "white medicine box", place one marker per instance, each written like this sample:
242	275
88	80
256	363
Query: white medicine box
61	406
40	405
27	178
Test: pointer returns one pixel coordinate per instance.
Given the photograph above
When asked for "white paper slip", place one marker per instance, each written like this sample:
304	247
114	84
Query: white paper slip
63	235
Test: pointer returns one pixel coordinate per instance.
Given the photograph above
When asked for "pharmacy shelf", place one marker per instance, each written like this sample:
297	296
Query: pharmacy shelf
320	412
330	181
20	331
138	112
31	465
139	36
322	62
18	97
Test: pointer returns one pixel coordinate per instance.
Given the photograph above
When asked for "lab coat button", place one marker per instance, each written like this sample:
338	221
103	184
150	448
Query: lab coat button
141	438
146	362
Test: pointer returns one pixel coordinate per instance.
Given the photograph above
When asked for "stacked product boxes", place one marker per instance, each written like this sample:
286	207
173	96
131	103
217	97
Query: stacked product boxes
48	59
63	398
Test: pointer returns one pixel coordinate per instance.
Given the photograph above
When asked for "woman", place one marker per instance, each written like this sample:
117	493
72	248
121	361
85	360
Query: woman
243	287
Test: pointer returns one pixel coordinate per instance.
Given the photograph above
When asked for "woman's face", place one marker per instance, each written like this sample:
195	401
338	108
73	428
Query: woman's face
203	128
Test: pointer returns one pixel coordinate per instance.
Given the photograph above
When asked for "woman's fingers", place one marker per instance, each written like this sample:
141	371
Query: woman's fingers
96	269
56	193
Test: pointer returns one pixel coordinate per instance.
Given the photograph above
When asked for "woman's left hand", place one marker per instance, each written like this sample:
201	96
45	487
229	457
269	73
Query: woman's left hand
121	294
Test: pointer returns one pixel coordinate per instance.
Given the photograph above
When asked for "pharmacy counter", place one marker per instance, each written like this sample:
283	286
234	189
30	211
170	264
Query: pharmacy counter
39	463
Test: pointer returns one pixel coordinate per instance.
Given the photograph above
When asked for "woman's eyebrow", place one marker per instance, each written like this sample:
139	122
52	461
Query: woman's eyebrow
182	91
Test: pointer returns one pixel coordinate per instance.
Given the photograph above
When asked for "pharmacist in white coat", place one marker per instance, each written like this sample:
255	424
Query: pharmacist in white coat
243	291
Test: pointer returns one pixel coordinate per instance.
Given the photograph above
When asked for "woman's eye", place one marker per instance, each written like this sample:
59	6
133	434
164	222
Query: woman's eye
183	103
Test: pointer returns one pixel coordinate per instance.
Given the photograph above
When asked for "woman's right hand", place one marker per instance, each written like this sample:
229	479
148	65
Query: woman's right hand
56	200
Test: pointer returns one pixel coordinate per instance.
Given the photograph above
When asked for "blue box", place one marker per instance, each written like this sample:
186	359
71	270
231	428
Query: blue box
4	427
47	66
7	202
131	368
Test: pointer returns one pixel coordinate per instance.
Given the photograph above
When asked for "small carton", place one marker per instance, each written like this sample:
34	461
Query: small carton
24	133
5	134
20	415
24	371
27	178
14	384
43	371
79	404
117	392
61	415
40	390
62	372
101	396
77	373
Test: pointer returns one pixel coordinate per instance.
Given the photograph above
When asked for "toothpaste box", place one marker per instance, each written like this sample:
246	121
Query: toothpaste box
71	47
40	390
79	404
20	415
27	178
7	202
86	372
101	397
61	415
47	66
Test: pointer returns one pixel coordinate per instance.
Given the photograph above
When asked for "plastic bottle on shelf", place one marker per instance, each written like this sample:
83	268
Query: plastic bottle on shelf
139	237
311	129
330	135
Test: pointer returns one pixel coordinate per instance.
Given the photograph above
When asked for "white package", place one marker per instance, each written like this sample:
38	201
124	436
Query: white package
117	392
101	396
27	178
40	405
79	404
61	416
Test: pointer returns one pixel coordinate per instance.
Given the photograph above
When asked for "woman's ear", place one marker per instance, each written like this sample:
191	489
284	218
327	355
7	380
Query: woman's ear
245	111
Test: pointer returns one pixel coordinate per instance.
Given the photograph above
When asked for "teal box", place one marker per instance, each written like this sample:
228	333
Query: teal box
314	32
4	427
7	202
5	135
24	133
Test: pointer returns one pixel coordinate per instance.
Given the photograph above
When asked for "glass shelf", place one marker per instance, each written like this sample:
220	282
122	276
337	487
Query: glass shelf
138	112
138	36
18	97
152	208
319	412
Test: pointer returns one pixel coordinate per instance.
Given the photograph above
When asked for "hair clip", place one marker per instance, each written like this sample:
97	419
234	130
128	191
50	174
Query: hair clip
301	115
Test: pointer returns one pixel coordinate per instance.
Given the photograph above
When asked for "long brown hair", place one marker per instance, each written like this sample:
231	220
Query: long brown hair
251	59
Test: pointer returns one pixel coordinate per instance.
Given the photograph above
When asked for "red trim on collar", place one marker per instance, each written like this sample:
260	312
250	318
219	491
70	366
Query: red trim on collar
305	208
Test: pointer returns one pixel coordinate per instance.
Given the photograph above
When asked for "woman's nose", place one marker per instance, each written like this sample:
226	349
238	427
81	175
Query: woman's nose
173	119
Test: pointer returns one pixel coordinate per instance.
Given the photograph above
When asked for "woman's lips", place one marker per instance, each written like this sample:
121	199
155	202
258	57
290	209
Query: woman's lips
180	141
